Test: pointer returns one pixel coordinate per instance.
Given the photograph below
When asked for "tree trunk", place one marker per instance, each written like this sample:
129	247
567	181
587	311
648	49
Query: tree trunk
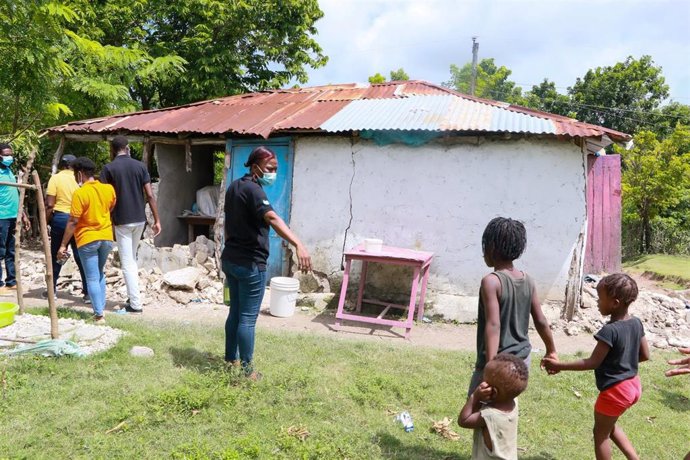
647	228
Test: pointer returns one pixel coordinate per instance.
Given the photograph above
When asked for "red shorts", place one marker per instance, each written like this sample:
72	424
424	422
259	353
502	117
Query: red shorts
615	400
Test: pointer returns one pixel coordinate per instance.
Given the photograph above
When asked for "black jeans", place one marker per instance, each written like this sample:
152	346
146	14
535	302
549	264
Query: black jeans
58	224
7	227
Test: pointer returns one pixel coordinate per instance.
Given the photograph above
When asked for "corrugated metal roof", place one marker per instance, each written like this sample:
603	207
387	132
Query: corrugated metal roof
411	105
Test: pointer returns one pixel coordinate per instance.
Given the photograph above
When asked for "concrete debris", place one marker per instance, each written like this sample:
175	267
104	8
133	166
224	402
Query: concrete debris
184	278
141	352
91	338
166	275
665	317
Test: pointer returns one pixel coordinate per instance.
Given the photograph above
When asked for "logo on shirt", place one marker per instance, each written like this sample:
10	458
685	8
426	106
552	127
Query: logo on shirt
266	202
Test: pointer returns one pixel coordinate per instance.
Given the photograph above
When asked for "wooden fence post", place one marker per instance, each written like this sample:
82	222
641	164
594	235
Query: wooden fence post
18	230
49	259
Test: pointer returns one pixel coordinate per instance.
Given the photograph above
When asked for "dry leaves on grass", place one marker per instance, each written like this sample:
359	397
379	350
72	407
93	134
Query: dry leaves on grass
300	432
443	428
117	428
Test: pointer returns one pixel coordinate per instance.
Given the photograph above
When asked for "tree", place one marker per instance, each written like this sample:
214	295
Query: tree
667	117
377	79
492	81
656	178
621	96
48	71
225	47
399	75
546	98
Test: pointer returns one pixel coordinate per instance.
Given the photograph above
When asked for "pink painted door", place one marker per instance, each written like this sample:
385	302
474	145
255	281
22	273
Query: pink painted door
603	250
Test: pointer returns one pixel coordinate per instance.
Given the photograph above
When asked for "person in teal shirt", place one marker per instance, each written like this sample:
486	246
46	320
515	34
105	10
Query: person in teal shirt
9	210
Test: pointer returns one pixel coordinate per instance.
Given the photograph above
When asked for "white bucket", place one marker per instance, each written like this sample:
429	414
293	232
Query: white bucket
283	296
373	245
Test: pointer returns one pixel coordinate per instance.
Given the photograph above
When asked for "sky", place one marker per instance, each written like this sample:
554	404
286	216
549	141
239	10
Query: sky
536	39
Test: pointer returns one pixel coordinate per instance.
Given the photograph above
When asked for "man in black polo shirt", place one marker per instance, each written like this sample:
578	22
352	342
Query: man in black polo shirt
132	182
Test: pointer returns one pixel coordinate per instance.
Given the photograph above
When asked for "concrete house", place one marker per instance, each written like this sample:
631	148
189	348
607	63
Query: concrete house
412	163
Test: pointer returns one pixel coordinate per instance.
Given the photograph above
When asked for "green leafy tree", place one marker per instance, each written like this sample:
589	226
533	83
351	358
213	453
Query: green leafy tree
492	81
546	98
656	179
399	75
225	47
377	79
51	70
668	116
621	96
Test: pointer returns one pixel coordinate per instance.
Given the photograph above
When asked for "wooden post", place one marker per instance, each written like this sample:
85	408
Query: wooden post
219	227
18	229
188	155
146	154
49	259
58	154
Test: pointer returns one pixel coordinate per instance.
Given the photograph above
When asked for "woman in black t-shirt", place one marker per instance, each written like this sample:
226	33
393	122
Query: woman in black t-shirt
248	216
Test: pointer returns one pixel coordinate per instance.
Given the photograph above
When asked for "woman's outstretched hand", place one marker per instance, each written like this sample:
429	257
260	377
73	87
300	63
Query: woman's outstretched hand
683	364
303	259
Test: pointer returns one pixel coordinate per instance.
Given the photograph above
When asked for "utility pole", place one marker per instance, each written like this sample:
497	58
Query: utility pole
475	51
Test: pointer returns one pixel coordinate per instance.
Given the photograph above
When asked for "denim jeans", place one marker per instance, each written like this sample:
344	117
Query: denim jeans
128	237
247	287
57	230
93	257
7	227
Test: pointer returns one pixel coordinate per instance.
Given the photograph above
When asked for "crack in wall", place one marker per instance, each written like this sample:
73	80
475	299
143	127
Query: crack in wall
352	180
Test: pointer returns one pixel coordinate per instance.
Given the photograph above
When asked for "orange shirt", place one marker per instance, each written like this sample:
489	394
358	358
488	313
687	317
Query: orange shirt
91	204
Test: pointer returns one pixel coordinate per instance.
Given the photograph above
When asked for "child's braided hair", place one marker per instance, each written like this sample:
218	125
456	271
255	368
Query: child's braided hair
619	286
505	238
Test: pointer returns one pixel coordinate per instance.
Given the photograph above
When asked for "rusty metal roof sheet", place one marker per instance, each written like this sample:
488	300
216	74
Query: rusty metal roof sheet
410	105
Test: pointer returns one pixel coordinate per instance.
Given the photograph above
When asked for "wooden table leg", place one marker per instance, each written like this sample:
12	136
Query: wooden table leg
343	293
362	282
422	294
413	302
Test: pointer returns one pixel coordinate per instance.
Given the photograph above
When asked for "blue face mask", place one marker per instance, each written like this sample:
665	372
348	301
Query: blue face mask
267	179
7	161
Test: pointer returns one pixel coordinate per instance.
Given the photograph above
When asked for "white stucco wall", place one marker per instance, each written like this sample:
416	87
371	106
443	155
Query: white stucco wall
439	198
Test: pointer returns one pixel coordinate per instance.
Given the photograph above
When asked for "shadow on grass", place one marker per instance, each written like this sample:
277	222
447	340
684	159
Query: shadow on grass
201	361
392	447
674	401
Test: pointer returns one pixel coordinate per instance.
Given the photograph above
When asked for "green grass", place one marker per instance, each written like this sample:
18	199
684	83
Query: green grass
181	404
674	270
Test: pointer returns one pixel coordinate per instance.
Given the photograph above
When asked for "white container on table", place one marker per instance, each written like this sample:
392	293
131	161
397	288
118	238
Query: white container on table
373	245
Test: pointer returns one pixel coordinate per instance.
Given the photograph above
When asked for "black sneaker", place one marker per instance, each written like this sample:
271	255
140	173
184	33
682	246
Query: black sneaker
87	300
129	309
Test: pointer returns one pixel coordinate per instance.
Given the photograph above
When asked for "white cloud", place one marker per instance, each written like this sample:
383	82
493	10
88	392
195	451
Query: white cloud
537	39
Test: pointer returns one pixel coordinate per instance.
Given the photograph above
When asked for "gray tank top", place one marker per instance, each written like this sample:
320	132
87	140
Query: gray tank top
515	306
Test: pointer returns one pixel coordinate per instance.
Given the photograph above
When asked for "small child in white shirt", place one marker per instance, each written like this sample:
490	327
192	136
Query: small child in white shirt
492	409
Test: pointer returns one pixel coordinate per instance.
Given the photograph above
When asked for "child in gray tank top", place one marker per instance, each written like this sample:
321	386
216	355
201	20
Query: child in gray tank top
507	299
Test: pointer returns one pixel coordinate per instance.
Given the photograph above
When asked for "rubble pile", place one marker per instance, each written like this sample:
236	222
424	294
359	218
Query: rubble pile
666	318
181	274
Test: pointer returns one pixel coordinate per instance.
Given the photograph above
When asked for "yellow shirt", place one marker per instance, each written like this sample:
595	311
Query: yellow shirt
62	186
91	204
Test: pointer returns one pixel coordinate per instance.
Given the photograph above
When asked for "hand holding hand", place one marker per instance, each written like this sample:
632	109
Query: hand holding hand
552	357
683	364
303	259
551	365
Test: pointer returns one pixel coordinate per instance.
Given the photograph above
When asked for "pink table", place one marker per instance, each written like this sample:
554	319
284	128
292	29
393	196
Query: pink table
420	260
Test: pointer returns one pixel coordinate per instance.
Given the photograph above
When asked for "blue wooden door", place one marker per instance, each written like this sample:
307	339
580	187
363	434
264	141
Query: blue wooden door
279	194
